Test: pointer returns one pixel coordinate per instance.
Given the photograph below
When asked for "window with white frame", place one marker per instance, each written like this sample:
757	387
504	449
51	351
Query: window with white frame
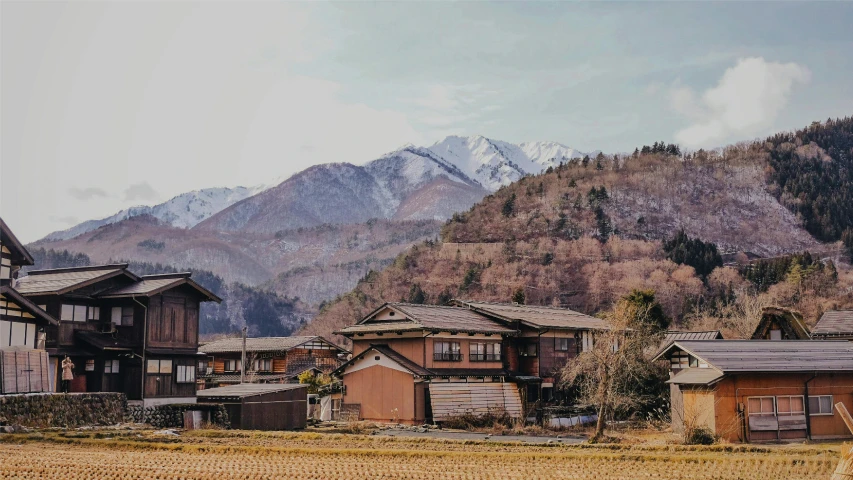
561	344
761	406
586	341
263	365
230	365
94	313
184	374
75	313
111	366
820	405
790	405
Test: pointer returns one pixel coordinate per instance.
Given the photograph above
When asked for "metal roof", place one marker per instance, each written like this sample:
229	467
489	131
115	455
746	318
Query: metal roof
62	280
674	335
696	376
153	284
538	316
260	344
20	255
377	327
835	322
248	389
738	356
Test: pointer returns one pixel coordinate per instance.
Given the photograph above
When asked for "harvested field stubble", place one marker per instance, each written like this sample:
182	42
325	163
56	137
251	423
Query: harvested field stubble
310	456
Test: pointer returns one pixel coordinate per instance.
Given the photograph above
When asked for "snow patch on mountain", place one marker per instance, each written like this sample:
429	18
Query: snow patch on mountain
184	211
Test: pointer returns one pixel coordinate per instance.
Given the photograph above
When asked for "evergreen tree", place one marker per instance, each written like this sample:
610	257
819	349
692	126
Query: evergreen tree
518	296
416	294
509	206
702	256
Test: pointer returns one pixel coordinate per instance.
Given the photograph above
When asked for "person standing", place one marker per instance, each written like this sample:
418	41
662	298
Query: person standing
67	373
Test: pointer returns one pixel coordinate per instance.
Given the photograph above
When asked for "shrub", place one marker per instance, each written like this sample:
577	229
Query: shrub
699	436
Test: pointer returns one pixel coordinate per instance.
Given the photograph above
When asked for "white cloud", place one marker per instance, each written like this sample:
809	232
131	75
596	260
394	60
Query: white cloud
744	103
86	193
140	192
444	108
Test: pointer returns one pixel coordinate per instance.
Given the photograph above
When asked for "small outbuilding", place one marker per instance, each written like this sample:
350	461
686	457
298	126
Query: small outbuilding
259	406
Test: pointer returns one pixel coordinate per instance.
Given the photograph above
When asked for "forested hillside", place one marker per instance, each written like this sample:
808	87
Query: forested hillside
581	235
265	312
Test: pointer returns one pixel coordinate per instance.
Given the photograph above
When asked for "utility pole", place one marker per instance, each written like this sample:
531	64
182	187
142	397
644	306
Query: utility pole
243	362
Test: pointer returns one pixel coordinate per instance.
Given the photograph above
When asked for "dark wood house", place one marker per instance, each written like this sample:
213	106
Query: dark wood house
124	333
23	360
416	363
253	406
269	359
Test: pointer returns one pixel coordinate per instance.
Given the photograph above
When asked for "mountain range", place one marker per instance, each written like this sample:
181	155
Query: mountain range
410	183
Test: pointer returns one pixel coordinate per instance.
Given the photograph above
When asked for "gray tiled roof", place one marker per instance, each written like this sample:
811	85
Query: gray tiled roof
740	356
61	280
428	317
261	344
539	316
835	322
154	284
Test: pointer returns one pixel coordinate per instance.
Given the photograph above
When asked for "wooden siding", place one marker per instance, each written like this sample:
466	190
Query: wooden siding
384	394
454	399
24	371
166	385
173	321
734	390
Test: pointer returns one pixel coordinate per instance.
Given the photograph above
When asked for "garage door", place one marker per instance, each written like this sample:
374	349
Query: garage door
454	399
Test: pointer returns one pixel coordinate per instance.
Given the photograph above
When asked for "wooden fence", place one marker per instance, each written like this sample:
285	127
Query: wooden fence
24	371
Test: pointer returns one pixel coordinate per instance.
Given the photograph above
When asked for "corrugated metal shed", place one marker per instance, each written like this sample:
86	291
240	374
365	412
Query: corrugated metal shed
834	323
261	406
734	356
455	399
538	316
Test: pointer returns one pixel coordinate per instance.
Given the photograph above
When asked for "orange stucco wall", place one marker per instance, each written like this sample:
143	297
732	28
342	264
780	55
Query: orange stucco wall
734	390
420	350
380	390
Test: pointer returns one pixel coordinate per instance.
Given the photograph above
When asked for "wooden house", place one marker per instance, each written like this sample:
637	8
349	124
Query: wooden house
253	406
778	323
23	360
124	333
416	363
834	325
269	359
755	390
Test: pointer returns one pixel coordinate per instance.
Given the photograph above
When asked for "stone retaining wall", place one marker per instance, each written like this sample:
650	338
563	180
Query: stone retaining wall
62	409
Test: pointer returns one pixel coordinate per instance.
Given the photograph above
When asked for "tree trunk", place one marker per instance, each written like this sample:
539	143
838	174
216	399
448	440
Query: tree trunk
601	424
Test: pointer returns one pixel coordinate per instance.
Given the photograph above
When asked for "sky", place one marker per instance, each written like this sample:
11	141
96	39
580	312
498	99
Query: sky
105	105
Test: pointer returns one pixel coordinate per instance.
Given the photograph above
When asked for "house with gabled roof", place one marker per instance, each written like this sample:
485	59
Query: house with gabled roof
779	323
429	363
756	390
24	364
834	325
123	332
269	359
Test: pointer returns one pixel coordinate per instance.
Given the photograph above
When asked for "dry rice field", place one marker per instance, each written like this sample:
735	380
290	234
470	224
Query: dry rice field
223	455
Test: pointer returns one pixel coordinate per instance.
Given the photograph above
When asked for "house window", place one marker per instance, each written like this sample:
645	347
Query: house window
775	334
185	374
586	341
263	365
761	406
90	365
787	406
111	366
447	352
485	352
74	313
820	405
682	360
122	316
94	313
561	344
163	367
528	350
230	365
